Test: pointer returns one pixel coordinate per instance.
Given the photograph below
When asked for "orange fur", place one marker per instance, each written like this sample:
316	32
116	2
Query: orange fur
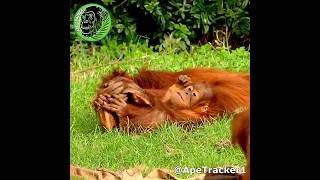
241	136
230	91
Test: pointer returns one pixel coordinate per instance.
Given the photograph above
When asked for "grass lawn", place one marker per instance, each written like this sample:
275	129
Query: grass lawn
171	146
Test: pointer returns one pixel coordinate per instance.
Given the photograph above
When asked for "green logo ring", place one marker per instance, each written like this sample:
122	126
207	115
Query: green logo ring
92	22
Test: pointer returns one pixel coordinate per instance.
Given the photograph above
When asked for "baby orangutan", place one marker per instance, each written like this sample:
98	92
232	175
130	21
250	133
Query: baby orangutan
183	102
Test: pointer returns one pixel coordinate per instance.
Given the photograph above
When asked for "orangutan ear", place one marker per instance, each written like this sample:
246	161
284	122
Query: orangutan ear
205	108
141	99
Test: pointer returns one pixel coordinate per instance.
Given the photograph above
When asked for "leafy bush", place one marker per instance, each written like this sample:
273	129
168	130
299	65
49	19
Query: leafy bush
222	22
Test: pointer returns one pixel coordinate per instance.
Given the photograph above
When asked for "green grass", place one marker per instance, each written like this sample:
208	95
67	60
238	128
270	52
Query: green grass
168	147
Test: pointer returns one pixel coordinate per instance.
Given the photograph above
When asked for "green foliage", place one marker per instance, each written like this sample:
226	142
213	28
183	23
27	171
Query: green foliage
191	21
171	45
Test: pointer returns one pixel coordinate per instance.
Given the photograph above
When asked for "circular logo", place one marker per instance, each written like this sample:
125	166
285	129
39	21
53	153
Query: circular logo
92	22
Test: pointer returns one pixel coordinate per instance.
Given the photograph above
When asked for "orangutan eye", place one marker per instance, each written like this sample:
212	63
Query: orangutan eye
195	93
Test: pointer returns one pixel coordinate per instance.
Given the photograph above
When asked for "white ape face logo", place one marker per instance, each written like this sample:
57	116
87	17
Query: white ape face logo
88	20
92	22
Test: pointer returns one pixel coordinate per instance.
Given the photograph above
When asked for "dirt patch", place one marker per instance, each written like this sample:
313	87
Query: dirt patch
131	174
